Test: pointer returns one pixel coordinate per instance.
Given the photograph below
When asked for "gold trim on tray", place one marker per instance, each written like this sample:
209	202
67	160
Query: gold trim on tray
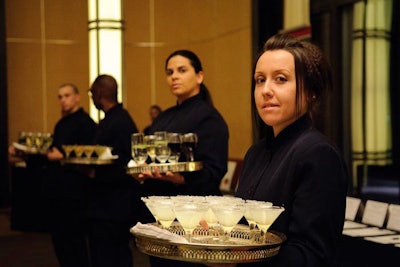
189	166
89	161
244	245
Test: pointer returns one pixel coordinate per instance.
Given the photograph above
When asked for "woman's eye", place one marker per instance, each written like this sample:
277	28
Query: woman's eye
281	79
259	80
169	72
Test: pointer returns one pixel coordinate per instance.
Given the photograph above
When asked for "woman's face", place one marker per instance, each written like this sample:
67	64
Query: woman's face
182	79
275	89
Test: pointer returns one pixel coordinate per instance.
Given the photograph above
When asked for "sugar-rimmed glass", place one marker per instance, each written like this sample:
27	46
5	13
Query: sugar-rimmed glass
248	215
163	209
229	215
189	215
265	215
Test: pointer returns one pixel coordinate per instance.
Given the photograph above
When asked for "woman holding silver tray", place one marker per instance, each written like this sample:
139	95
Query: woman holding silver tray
193	113
296	166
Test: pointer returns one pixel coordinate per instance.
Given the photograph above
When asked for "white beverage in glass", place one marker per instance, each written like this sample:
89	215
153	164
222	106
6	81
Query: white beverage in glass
150	204
161	146
164	211
189	215
139	148
68	150
139	153
229	215
162	151
151	148
265	215
247	214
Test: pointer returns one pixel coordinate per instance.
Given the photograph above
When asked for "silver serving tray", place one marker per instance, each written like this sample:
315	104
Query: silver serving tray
190	166
244	245
29	150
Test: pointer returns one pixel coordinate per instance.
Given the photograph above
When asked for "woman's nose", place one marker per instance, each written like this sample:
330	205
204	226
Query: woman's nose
266	89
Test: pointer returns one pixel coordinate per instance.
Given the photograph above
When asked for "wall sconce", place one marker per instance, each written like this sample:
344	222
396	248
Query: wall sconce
105	28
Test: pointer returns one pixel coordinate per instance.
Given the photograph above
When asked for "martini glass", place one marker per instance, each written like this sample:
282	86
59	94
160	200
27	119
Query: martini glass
209	216
247	214
164	211
265	215
150	203
99	150
68	150
88	150
78	150
228	215
189	215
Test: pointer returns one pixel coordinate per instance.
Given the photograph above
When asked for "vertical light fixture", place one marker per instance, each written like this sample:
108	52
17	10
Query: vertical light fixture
105	28
370	99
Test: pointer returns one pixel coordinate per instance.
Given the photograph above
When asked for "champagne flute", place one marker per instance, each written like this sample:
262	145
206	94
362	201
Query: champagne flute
190	142
29	139
161	146
139	148
22	138
47	141
37	141
151	148
174	143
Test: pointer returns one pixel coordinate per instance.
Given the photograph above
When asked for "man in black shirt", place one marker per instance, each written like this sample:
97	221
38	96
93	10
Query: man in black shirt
65	186
112	193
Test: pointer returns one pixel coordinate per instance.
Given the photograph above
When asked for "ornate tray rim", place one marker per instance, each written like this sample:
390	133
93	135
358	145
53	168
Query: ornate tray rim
89	161
29	150
210	253
189	166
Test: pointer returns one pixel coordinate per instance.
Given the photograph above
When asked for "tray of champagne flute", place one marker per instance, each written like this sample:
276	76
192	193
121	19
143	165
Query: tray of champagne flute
211	245
189	166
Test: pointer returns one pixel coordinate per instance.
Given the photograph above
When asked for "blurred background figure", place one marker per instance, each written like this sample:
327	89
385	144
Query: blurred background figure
64	185
112	193
154	111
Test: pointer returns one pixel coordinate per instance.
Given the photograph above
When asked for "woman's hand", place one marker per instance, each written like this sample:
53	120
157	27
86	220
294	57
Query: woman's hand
173	177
